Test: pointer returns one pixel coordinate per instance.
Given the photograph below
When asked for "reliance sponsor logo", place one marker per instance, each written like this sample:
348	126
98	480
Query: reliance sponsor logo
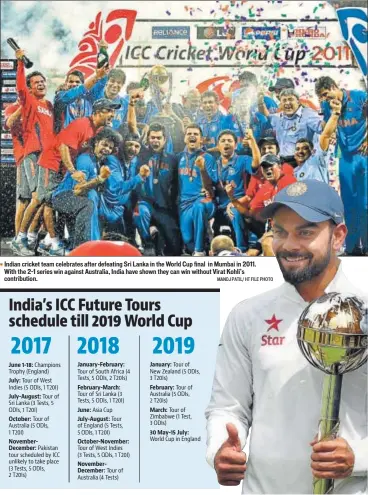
170	32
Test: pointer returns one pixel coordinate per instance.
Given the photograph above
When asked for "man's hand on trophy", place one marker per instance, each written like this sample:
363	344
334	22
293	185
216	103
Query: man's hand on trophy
19	54
332	459
248	137
200	162
230	460
144	171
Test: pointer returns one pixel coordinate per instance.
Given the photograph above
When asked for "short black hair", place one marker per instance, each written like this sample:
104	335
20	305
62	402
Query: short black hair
194	126
210	94
117	74
227	131
305	140
324	82
33	74
156	127
77	73
108	134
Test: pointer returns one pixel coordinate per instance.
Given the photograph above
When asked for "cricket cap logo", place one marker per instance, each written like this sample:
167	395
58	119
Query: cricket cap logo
353	23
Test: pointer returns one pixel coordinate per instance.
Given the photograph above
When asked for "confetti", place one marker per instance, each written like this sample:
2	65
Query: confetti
168	12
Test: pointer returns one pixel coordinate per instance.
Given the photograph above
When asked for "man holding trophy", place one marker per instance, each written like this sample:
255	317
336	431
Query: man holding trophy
263	382
160	108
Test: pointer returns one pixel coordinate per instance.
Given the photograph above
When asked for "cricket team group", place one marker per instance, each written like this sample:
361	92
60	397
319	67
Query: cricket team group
115	159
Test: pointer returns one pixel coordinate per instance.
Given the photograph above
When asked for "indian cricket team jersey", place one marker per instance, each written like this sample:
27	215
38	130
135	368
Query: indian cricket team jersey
122	181
86	163
37	117
160	187
263	382
352	125
316	167
236	171
190	181
16	132
211	129
75	103
304	123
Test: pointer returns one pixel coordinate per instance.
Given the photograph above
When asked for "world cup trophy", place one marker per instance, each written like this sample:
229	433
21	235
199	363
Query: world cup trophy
332	335
158	77
241	109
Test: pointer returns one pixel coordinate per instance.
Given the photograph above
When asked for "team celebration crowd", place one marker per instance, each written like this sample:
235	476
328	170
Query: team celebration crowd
115	159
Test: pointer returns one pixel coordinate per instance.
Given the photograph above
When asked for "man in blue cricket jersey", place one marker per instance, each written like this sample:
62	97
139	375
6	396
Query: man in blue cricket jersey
196	206
294	122
75	99
350	120
157	197
311	163
79	201
118	197
115	82
214	121
236	170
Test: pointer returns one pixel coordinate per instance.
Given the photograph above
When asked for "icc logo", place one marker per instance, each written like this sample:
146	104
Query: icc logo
353	23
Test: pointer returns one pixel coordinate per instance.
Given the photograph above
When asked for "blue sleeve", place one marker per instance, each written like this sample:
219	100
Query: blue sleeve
70	95
271	105
246	162
274	120
115	182
97	90
85	164
210	165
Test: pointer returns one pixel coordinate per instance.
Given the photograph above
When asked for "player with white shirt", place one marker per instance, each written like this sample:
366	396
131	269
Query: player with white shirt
262	380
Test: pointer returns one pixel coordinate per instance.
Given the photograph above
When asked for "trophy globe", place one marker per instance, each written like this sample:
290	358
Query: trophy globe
332	333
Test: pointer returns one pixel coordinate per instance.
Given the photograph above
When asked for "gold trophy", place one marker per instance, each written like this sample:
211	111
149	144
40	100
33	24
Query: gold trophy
332	335
158	77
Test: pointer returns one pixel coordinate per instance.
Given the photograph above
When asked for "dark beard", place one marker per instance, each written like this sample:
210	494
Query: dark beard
308	273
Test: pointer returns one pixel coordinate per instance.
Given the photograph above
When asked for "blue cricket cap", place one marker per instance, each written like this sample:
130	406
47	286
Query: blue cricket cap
313	200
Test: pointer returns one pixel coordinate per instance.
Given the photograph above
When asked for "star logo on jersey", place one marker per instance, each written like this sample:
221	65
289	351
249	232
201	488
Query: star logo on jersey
274	323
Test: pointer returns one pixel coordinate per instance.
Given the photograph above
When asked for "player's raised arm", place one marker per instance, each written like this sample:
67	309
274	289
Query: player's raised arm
250	141
331	124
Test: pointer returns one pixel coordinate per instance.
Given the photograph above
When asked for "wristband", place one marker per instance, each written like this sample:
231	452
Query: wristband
335	113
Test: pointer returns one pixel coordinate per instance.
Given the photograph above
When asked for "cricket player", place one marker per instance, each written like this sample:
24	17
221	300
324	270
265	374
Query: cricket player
196	206
117	201
236	170
115	82
350	120
214	121
158	195
75	99
80	200
311	163
38	135
293	123
262	380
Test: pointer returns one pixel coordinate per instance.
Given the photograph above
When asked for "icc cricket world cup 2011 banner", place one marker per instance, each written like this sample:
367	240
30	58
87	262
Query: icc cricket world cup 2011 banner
203	44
